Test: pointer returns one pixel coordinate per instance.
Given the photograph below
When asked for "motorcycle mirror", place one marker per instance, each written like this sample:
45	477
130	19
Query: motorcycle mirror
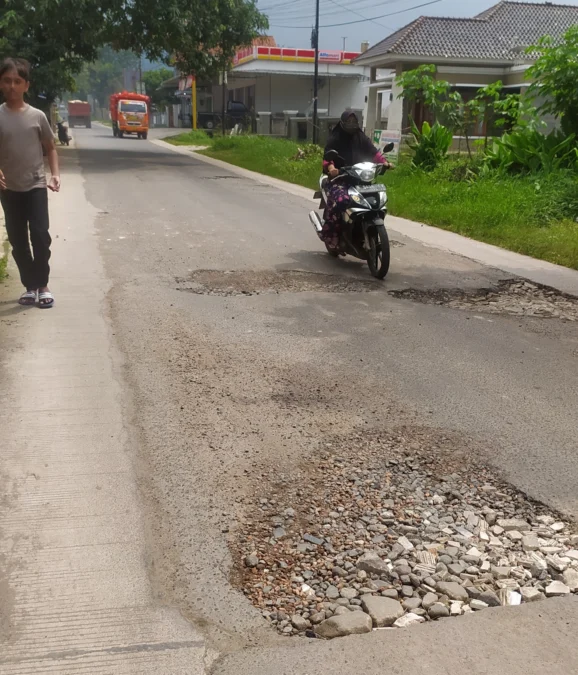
388	147
335	157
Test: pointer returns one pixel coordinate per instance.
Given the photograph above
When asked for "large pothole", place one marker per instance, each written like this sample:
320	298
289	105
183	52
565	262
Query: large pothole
386	531
246	283
514	297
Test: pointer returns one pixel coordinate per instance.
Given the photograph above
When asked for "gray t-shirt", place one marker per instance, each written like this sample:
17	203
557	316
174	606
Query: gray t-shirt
22	133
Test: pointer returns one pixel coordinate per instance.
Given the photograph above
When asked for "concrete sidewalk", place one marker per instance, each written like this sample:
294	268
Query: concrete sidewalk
74	591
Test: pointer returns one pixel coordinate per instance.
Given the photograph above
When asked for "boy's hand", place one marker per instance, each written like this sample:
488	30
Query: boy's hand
332	171
2	181
54	184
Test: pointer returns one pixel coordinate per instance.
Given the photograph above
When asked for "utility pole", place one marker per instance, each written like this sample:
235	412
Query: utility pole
344	41
316	75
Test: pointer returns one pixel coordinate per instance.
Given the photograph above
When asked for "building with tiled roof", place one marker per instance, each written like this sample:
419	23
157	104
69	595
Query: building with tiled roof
468	52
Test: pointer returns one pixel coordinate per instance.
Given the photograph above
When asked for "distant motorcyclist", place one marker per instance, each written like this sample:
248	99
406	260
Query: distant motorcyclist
353	146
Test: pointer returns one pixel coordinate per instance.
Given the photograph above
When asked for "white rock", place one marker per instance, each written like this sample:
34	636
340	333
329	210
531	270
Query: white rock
456	608
558	527
514	598
530	594
476	605
570	578
556	588
406	543
530	542
408	620
545	520
572	554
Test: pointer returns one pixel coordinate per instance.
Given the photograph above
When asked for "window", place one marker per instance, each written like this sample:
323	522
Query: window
133	107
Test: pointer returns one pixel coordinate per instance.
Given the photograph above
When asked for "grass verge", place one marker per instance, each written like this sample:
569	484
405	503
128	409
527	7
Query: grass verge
534	215
190	138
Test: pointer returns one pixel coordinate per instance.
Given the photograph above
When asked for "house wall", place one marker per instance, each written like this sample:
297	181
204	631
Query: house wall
276	93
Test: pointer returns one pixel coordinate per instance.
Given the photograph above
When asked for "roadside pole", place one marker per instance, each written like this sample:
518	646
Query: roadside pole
316	74
194	102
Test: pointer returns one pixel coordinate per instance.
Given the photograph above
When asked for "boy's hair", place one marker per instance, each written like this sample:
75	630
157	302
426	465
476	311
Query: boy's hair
21	66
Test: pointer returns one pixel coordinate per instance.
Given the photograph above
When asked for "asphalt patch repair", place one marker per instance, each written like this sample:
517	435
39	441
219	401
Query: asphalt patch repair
248	283
515	297
393	529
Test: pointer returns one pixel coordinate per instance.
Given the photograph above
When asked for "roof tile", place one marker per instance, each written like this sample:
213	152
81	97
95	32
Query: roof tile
501	33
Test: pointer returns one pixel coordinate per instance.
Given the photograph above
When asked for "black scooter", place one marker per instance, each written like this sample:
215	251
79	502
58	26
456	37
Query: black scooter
363	234
63	136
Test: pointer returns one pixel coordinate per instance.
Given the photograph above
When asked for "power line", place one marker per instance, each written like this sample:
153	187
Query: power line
284	13
374	18
337	4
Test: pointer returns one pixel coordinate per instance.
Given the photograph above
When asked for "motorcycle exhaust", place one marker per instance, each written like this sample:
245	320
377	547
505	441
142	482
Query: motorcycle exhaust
316	222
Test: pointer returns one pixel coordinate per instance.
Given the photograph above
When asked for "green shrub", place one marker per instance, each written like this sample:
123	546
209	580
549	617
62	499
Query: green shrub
529	151
430	146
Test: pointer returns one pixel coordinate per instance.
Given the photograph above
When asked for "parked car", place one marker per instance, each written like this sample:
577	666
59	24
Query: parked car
237	113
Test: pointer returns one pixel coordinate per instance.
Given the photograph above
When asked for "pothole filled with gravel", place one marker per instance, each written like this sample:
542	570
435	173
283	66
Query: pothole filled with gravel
514	297
247	283
386	532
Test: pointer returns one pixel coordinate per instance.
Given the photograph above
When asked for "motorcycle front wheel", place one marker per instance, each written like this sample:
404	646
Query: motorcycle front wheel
378	257
334	253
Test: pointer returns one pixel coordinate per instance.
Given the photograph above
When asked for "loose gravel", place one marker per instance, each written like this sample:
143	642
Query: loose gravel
514	297
390	531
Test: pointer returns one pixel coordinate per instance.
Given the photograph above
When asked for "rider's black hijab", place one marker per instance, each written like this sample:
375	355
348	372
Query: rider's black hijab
350	141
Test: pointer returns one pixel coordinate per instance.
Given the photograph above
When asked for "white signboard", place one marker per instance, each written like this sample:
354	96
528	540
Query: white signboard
382	138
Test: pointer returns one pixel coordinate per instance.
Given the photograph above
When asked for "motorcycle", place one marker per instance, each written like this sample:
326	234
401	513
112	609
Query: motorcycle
362	232
63	136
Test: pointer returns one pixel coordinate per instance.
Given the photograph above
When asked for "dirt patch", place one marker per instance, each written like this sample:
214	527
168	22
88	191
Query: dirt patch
247	283
406	516
513	297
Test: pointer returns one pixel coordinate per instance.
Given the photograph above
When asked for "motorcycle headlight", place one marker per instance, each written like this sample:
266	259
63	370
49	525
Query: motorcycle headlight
382	198
366	175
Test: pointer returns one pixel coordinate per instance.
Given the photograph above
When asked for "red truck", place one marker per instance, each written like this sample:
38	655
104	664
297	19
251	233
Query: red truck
79	114
129	113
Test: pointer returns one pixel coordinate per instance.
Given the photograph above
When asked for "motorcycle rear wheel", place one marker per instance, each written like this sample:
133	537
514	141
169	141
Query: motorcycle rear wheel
378	258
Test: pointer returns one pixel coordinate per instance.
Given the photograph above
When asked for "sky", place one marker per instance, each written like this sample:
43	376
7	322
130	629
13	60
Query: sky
291	20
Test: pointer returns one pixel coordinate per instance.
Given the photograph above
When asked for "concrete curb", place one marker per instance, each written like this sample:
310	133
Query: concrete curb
541	272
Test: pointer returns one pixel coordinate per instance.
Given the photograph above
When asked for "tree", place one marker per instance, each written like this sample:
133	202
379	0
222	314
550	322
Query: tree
153	80
59	36
56	36
555	76
105	76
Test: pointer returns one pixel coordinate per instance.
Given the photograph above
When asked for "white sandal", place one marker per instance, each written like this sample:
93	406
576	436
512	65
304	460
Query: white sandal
27	298
45	300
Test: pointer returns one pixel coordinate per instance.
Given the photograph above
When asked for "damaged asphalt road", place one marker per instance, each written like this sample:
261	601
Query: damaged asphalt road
225	386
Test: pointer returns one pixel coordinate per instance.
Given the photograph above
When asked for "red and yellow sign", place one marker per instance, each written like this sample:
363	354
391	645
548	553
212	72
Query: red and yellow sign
292	55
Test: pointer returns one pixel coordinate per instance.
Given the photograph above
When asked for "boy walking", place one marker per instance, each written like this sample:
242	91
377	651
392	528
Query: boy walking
24	132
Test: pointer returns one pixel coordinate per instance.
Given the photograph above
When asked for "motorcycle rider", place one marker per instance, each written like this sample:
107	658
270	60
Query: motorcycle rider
353	146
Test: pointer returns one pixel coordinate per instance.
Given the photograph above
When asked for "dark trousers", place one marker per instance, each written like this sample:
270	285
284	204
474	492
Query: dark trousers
27	223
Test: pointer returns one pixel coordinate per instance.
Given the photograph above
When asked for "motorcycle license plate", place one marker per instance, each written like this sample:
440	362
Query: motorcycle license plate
370	189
